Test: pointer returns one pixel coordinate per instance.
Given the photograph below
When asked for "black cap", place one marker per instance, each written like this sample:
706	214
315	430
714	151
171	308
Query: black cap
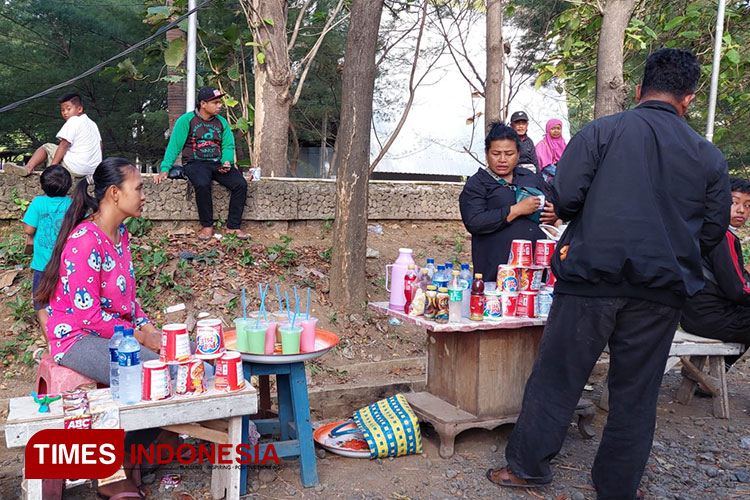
209	94
519	116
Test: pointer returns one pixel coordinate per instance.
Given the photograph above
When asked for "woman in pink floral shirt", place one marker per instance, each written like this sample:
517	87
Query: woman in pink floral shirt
89	284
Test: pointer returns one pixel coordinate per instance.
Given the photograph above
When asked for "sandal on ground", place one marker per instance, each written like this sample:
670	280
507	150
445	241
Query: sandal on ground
504	477
238	234
204	237
12	168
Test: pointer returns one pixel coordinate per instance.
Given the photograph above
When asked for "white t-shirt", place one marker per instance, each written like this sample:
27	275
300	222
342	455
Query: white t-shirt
85	152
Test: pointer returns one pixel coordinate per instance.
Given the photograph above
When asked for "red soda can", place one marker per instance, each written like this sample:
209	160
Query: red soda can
476	307
527	305
229	374
520	253
175	343
156	383
543	252
509	301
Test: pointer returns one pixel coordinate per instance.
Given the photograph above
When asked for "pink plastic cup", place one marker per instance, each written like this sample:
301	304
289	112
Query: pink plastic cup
270	337
307	339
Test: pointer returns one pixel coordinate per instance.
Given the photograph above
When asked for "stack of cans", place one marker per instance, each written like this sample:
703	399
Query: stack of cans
521	284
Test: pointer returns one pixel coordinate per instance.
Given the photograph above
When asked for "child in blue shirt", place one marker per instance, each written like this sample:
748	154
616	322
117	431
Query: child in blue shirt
42	223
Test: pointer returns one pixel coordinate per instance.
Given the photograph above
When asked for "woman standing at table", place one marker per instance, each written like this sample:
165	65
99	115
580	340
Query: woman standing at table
89	284
488	203
550	149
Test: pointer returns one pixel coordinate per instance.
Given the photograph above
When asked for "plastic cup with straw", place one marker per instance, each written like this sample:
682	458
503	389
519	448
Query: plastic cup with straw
307	337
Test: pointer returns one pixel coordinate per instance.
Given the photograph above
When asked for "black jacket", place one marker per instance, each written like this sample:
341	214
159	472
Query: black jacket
527	154
727	288
646	195
485	205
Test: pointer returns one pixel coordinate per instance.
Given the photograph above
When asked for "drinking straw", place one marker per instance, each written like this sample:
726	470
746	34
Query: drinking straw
263	304
262	300
278	296
307	312
296	297
244	305
286	297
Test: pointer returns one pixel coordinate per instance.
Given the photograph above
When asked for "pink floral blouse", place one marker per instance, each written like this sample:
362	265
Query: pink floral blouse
96	290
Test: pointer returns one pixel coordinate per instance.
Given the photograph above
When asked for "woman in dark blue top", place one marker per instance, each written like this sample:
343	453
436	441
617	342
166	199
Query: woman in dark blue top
488	203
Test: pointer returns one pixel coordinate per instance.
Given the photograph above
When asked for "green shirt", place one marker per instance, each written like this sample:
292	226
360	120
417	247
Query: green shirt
199	139
46	215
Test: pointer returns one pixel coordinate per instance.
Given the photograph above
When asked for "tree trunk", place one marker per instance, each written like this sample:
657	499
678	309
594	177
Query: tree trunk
352	158
272	99
611	89
494	81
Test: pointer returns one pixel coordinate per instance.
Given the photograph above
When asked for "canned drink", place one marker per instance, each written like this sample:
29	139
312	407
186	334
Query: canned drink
443	299
550	278
493	308
175	343
544	302
229	374
520	253
531	279
509	301
189	378
543	251
507	278
209	339
156	382
526	305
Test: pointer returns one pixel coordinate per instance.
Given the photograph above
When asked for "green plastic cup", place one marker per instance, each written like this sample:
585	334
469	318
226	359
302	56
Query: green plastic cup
256	337
290	339
241	325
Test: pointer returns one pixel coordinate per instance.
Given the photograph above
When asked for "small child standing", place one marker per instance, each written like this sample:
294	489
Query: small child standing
80	148
42	223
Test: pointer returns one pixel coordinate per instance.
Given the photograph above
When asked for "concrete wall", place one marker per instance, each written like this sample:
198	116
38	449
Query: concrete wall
273	199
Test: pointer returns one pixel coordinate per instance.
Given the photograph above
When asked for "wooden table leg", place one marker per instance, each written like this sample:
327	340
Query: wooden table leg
720	397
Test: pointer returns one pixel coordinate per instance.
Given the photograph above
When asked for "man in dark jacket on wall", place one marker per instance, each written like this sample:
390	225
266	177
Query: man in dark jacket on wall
645	196
722	309
527	154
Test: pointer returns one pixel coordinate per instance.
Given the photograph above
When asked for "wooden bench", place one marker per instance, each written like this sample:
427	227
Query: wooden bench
24	420
694	352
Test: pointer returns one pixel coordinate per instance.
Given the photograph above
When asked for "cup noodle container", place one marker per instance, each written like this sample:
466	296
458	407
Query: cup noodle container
493	308
527	305
156	382
544	302
520	253
190	378
229	374
531	279
175	343
509	301
209	339
543	251
507	278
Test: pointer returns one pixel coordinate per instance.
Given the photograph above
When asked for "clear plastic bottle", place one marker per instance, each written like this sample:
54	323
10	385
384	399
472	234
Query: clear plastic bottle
449	269
464	279
410	286
430	268
440	278
425	279
114	372
455	299
131	371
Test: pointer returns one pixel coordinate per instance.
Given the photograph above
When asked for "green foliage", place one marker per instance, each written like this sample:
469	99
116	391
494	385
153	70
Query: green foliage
138	226
21	308
281	254
326	254
246	258
15	350
11	250
21	203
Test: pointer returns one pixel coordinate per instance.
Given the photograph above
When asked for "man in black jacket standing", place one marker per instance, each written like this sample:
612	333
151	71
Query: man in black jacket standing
527	153
645	196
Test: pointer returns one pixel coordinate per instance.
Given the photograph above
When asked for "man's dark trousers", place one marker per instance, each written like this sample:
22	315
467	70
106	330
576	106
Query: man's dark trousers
201	173
639	334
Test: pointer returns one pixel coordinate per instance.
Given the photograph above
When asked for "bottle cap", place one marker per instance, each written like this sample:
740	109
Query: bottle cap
119	328
431	287
127	332
430	260
410	266
442	289
478	276
425	271
456	273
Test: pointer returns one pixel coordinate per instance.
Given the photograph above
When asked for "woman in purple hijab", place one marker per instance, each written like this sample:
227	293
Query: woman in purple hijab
550	148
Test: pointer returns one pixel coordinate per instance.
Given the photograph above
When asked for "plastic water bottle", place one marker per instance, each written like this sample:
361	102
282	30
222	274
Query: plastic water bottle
465	280
430	267
440	278
114	372
455	299
449	269
129	364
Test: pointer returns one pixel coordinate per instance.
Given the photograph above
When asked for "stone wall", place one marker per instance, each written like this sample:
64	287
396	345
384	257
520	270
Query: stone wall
272	199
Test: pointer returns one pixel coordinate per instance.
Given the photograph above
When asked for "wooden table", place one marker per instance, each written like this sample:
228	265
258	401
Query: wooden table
24	420
476	372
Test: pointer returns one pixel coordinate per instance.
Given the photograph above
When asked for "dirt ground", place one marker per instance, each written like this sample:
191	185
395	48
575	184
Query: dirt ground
695	456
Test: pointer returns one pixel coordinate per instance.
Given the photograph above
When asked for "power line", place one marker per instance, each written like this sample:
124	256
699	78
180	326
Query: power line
101	65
